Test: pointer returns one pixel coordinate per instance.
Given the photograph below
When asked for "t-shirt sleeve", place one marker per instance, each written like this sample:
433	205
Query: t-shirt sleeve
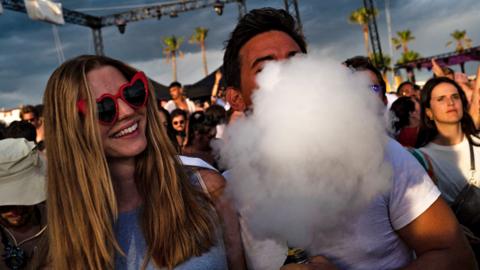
413	192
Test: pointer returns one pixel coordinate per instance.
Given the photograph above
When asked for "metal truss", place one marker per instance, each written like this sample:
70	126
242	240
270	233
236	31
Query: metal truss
171	9
70	16
291	6
374	37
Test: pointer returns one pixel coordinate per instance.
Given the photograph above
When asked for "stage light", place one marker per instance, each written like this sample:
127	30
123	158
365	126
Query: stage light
218	7
121	24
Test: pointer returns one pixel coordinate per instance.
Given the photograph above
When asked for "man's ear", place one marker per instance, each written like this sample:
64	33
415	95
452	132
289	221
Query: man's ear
235	99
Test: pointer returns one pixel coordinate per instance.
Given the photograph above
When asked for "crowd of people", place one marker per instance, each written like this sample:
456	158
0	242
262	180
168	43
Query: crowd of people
105	176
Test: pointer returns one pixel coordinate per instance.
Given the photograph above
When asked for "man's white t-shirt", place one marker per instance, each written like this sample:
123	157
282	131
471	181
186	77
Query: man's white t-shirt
371	242
170	106
452	167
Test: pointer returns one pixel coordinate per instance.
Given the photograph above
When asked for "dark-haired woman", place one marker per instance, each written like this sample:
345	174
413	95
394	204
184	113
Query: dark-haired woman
406	111
449	138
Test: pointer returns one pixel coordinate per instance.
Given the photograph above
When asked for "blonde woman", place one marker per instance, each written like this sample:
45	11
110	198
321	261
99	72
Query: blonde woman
117	195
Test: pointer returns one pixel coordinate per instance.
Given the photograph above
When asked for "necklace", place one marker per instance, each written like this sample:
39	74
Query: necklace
15	257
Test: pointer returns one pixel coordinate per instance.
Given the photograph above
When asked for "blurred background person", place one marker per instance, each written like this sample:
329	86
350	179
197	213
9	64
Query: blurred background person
22	211
39	127
179	124
449	139
406	120
167	123
22	129
201	131
218	115
179	101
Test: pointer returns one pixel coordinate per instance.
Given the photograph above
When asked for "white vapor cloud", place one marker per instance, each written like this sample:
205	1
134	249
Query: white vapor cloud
310	155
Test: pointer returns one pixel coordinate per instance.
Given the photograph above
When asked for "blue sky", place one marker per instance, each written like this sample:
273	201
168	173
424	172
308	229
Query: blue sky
28	55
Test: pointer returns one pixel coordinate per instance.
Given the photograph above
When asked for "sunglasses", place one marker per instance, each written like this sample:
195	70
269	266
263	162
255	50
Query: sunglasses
134	93
181	122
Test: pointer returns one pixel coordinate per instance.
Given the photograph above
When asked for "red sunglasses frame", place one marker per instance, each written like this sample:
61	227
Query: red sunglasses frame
81	104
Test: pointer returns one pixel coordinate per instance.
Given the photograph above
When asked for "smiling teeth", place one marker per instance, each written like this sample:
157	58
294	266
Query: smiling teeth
127	131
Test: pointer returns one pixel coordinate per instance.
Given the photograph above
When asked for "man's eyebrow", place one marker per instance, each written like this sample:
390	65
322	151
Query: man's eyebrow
262	59
293	53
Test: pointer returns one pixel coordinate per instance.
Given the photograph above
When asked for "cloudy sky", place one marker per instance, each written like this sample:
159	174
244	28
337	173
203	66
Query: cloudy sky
28	55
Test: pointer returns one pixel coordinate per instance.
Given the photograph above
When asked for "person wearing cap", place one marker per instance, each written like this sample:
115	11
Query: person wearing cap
22	211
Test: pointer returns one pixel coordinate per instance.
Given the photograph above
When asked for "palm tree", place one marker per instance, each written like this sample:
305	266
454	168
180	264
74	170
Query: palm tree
171	48
382	63
461	39
404	37
408	57
361	16
199	37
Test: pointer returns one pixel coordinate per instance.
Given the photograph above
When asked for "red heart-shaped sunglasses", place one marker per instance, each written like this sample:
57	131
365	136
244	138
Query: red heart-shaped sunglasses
134	93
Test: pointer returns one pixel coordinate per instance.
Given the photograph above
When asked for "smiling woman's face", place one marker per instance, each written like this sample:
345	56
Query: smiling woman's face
126	137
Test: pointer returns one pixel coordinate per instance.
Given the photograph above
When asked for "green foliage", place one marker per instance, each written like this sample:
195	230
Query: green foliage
171	46
402	40
461	40
199	35
362	16
408	57
382	63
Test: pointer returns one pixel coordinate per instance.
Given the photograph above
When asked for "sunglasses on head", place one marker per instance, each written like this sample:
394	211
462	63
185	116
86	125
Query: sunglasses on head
134	93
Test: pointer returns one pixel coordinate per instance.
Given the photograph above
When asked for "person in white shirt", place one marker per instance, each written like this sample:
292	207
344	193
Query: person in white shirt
449	139
179	101
410	218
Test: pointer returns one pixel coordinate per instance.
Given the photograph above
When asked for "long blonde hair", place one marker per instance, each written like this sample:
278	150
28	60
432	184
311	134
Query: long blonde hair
176	219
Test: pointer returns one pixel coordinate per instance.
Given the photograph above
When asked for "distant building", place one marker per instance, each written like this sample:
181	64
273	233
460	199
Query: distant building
9	115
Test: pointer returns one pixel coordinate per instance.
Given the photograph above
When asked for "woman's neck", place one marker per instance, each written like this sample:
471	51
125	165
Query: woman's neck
449	134
122	172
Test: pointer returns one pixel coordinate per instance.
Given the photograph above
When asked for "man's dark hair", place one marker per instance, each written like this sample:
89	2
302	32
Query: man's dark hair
21	129
39	110
362	63
256	22
217	114
175	84
28	109
178	112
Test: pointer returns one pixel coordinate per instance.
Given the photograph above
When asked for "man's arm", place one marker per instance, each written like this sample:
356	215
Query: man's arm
437	240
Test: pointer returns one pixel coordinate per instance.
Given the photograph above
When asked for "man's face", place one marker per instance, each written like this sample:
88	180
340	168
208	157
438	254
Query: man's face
407	90
30	117
175	92
267	46
15	215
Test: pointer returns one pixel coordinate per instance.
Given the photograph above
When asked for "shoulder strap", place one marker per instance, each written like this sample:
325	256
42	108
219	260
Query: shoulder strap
425	161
